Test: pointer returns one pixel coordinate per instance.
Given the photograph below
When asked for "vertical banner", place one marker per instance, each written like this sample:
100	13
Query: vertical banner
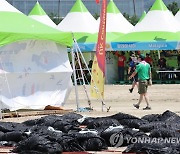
98	67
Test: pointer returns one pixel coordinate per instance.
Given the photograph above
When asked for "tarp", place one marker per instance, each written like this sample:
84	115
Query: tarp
40	15
16	26
159	30
34	74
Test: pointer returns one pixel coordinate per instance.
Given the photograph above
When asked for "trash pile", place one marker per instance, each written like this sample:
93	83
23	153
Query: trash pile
151	134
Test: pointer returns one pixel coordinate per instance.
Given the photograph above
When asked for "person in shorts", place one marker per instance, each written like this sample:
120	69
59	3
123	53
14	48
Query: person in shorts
143	70
131	69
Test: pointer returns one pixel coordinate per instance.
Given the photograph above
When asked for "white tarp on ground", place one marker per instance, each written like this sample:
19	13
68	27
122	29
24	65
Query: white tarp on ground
38	73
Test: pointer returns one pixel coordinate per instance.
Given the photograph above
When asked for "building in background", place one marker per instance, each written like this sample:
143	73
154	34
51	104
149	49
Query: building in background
61	7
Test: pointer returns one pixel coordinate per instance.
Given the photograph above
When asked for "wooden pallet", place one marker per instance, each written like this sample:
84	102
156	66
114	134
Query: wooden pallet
34	113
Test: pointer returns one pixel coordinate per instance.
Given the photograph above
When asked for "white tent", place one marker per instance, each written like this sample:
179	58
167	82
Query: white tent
79	21
116	23
35	70
40	15
177	16
159	30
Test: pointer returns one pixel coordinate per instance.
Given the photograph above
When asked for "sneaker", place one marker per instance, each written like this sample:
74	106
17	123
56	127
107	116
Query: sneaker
131	90
136	106
147	108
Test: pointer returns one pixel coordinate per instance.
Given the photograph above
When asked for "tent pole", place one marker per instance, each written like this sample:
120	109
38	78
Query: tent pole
102	101
75	81
159	54
82	74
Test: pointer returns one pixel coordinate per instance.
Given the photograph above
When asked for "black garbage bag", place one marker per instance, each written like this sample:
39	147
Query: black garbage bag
164	133
99	122
167	114
30	122
39	144
151	117
122	116
48	120
87	121
133	123
72	116
150	148
90	140
152	125
12	126
94	144
65	125
15	136
69	143
111	133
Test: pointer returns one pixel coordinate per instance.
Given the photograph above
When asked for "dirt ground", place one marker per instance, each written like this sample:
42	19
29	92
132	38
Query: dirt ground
162	97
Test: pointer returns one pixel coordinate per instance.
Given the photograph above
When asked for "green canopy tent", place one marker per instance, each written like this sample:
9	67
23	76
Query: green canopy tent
16	26
159	30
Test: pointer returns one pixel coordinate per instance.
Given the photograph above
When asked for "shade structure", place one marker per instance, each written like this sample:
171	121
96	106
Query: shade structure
34	67
142	16
177	16
12	29
79	21
159	30
40	15
116	26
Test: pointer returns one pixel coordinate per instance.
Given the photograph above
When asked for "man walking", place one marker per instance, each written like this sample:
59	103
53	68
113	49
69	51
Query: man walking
144	74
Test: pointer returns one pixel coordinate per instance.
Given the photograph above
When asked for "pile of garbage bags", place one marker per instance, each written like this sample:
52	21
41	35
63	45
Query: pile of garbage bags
151	134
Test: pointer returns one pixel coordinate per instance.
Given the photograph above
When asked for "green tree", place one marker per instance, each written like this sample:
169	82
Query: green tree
134	20
173	7
56	19
96	16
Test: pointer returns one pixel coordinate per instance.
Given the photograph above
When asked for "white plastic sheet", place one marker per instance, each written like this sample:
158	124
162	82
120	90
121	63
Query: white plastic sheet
34	74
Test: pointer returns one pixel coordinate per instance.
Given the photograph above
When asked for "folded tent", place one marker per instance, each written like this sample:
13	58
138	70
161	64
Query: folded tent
35	70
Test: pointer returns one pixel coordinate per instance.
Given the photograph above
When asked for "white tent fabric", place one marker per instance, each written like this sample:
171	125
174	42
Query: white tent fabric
42	17
158	20
38	73
177	16
79	20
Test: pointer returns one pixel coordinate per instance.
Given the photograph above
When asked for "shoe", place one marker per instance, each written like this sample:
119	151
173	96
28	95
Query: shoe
131	90
147	108
136	106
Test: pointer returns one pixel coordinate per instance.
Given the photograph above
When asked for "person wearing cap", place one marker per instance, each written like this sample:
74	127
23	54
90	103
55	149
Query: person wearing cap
144	74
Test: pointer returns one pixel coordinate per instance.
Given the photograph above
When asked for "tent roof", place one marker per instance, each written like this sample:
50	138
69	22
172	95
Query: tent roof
40	15
159	30
20	27
116	22
156	24
79	21
142	16
177	16
37	10
79	7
